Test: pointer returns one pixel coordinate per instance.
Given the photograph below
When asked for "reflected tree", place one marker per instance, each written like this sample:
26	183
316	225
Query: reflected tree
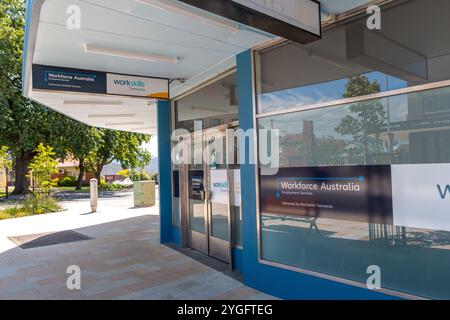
366	118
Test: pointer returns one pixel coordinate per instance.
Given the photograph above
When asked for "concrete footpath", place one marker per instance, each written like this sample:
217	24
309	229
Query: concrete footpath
122	260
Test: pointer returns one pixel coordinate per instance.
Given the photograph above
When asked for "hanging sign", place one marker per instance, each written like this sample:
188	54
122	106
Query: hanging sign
97	82
296	20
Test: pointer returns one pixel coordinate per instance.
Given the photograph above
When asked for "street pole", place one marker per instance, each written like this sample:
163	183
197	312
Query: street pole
7	182
93	191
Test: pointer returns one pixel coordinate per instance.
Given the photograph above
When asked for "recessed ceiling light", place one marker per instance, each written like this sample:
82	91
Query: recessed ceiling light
89	48
128	115
91	102
123	124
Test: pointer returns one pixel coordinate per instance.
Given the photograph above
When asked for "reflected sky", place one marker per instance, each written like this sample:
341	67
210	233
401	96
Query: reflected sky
321	92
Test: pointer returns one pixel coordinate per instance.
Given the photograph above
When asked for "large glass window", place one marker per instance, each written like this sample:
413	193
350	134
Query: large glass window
412	128
412	260
405	52
214	105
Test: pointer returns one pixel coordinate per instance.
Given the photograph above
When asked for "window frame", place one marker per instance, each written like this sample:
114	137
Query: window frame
255	69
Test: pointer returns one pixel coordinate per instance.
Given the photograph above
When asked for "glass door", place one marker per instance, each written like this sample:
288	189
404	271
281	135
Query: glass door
218	191
206	193
196	207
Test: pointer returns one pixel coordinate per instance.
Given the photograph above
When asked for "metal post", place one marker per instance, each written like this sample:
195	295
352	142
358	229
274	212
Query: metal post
94	194
7	183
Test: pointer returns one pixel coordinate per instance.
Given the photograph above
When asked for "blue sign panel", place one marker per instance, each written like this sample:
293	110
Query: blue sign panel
68	79
53	78
354	193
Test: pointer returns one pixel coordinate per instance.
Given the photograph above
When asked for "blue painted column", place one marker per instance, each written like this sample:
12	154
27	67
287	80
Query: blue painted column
248	193
165	174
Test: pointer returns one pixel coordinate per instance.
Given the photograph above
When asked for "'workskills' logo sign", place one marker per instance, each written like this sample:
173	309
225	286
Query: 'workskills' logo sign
132	84
137	86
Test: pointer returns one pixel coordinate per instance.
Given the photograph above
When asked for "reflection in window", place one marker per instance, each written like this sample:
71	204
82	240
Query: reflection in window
211	106
378	131
389	130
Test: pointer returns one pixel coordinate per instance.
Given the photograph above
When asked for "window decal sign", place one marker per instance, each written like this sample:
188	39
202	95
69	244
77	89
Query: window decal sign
236	187
97	82
219	186
354	193
422	195
406	195
196	186
176	183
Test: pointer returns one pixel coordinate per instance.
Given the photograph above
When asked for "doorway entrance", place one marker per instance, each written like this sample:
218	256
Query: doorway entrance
209	191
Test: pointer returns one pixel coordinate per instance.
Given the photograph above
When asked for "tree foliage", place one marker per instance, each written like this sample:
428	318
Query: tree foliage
12	25
24	125
5	162
42	167
124	147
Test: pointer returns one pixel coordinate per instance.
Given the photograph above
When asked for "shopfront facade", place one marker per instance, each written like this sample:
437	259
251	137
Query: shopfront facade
356	122
342	110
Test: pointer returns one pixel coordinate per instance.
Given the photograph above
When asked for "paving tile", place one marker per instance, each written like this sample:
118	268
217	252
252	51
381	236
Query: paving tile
124	261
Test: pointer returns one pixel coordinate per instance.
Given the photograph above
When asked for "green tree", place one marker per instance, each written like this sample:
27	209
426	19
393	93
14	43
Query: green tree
124	147
42	167
23	124
367	117
76	140
5	162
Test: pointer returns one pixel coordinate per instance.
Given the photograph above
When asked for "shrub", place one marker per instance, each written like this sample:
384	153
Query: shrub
67	182
102	184
111	186
143	176
134	175
31	206
124	172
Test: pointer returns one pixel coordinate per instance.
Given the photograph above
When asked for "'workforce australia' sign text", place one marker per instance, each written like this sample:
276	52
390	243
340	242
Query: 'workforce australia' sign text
53	78
354	193
324	186
68	79
407	195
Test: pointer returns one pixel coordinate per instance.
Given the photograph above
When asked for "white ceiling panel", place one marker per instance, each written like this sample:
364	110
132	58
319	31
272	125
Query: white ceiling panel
203	51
